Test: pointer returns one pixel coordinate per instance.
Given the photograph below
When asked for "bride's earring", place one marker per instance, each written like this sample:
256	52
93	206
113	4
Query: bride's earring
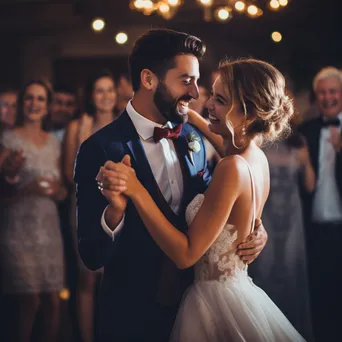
243	131
243	137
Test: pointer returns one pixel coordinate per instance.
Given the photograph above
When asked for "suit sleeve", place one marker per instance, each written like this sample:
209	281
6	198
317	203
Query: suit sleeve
94	244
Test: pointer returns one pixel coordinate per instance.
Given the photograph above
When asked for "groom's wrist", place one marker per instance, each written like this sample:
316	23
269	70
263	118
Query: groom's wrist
113	216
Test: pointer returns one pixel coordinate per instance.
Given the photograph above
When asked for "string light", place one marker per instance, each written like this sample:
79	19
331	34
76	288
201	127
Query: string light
98	24
168	8
164	8
252	10
274	4
222	14
276	36
206	2
240	6
173	2
121	38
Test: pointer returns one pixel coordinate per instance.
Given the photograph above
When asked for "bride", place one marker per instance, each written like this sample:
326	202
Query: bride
248	103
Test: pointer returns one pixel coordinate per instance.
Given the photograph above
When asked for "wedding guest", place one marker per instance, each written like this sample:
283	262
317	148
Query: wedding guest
99	103
323	207
281	270
62	110
8	108
31	251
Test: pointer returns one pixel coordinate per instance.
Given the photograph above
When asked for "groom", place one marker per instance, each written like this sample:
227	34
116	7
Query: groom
141	287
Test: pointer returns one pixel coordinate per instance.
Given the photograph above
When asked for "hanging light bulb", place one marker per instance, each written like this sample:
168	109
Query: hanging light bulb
98	24
252	10
163	8
205	3
121	38
223	13
274	4
283	3
240	6
276	37
138	4
173	3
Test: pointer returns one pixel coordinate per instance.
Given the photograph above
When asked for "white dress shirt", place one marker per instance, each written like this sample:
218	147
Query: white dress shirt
163	161
327	205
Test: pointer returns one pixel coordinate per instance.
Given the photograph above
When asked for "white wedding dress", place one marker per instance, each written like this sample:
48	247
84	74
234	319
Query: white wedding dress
223	304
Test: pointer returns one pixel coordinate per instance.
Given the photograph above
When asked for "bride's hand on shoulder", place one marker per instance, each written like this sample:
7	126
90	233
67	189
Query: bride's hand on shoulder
121	178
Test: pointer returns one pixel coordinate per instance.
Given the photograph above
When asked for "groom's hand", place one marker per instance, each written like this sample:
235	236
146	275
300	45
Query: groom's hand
117	201
249	249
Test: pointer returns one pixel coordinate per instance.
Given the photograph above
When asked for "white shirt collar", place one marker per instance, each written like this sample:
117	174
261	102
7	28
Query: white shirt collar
144	126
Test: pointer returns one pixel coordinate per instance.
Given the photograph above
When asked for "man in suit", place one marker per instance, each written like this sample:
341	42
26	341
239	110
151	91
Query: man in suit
323	208
141	288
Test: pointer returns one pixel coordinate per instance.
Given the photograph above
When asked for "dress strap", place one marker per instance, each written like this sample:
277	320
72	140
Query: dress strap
253	192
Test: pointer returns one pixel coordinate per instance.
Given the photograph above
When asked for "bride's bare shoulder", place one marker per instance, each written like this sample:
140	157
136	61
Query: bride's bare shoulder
231	164
231	169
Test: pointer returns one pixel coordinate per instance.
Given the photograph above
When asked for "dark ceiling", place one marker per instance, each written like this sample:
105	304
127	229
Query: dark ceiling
28	16
311	28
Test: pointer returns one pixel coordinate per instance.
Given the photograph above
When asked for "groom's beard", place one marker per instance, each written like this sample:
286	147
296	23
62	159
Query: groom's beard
168	105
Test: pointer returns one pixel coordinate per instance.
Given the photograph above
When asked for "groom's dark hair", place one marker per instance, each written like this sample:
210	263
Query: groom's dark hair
156	50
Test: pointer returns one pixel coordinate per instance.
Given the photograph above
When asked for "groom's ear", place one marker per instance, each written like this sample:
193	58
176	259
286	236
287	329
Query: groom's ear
126	160
148	79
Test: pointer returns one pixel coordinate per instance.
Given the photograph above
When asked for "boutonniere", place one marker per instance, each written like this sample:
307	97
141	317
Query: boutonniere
193	144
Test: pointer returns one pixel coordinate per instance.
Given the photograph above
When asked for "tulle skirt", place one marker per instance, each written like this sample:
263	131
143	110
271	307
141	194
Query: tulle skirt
236	310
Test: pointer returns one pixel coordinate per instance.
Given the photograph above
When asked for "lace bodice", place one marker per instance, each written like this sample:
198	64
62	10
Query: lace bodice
31	247
220	262
39	161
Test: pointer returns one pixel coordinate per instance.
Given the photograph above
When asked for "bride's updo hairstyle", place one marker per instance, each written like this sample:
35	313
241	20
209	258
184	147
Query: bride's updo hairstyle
260	90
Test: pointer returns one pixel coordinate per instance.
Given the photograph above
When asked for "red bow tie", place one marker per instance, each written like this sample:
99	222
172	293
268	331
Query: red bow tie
168	133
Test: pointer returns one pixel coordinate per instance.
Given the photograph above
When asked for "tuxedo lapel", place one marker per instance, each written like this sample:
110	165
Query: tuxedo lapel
182	148
172	282
142	167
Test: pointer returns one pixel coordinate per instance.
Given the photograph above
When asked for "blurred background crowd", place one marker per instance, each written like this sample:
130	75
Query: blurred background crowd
64	77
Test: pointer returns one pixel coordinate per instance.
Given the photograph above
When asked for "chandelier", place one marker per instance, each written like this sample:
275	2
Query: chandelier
221	10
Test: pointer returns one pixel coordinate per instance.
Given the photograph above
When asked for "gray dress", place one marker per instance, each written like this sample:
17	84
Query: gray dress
281	268
31	250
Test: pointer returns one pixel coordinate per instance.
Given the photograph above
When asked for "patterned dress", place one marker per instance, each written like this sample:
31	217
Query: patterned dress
31	250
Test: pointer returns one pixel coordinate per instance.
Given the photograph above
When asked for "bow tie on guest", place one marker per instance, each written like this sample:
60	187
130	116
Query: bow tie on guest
330	122
167	133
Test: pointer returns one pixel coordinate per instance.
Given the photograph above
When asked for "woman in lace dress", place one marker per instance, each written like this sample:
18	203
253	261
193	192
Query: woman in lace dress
281	270
31	251
99	103
248	102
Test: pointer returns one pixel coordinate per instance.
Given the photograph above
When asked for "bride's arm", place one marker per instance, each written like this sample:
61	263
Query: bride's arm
185	250
202	124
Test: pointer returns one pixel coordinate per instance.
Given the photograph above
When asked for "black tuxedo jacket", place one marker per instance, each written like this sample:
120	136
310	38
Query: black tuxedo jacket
312	132
140	282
